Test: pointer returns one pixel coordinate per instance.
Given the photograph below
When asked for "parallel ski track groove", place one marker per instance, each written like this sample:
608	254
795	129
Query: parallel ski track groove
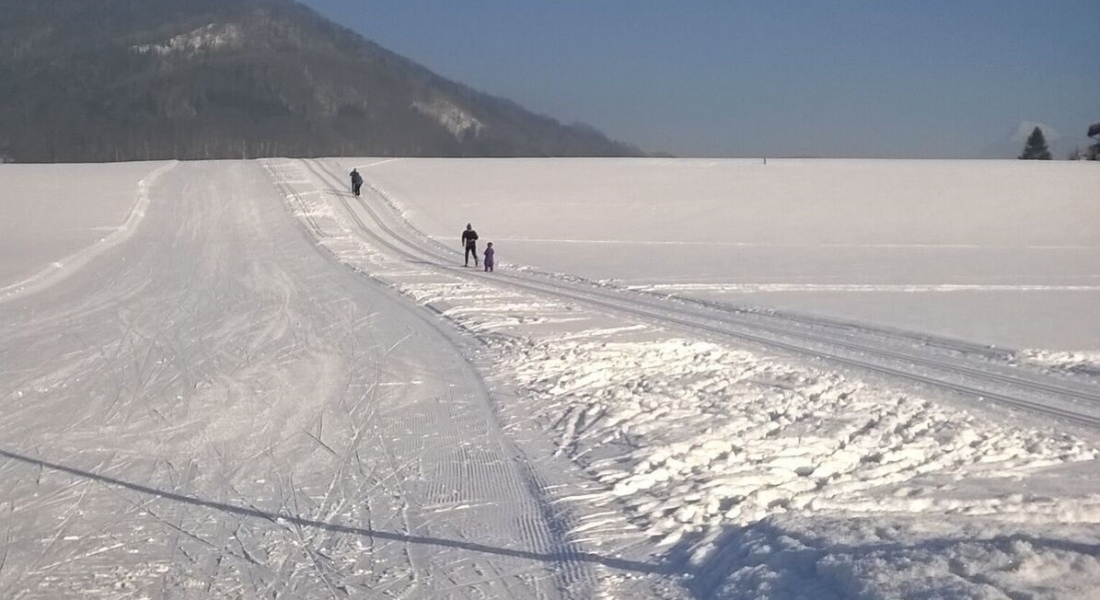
901	355
641	307
475	463
726	314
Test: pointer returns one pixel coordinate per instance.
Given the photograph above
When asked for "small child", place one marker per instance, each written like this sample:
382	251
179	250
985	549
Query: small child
489	261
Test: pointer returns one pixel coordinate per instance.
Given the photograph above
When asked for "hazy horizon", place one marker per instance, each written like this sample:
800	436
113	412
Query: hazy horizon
850	79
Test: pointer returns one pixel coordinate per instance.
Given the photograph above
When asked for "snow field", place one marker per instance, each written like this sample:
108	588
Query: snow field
994	252
44	235
216	408
771	478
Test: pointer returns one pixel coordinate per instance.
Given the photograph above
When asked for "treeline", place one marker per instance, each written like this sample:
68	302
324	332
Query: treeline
1035	148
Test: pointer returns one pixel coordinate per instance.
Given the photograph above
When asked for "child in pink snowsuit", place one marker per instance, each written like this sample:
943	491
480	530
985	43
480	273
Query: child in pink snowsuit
489	252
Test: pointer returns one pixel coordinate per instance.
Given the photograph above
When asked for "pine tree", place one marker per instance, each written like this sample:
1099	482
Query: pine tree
1036	146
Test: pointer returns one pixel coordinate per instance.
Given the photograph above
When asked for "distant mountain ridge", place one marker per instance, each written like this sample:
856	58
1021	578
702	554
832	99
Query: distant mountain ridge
106	80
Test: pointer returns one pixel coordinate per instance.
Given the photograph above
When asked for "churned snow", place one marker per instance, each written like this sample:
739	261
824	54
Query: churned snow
1062	360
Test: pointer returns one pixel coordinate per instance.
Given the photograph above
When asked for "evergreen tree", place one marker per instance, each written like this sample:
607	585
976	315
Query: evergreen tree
1093	153
1036	146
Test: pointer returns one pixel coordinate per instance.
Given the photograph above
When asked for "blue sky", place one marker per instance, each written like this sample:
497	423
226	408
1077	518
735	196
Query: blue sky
889	78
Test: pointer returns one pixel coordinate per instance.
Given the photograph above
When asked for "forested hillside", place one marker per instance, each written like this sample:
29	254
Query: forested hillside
103	80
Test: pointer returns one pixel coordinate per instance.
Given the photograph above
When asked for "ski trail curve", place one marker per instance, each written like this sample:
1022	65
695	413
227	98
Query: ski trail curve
212	408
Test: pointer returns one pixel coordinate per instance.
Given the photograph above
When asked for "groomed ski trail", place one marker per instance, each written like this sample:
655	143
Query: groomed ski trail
969	372
212	408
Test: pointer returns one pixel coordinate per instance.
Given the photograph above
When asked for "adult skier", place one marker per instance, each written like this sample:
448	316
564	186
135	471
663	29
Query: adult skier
469	241
356	181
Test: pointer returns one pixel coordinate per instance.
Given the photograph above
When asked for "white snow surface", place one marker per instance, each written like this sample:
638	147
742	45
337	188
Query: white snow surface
56	217
266	387
997	252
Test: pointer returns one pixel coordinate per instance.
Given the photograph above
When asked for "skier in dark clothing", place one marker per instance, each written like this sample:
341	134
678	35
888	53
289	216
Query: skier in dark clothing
356	181
469	241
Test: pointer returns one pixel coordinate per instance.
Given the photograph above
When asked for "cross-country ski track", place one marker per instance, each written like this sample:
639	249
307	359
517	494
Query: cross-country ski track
950	366
242	417
265	387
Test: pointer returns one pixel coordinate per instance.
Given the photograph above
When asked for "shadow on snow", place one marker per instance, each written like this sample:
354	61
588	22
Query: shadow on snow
553	557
